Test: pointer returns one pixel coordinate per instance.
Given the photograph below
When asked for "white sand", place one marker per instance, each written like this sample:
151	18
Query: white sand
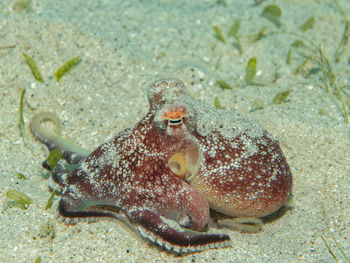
126	46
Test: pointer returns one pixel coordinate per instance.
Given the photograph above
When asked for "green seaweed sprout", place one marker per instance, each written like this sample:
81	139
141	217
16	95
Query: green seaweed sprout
272	13
281	97
221	2
308	24
54	156
217	104
21	5
250	71
33	67
223	84
21	176
50	200
233	32
21	199
219	35
66	67
22	129
21	119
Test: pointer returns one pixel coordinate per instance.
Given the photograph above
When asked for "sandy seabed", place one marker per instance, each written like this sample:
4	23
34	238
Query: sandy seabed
124	46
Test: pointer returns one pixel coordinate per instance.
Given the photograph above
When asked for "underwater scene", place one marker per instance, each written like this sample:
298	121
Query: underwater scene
175	131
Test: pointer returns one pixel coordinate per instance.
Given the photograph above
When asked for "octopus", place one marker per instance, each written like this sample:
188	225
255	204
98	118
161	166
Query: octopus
166	173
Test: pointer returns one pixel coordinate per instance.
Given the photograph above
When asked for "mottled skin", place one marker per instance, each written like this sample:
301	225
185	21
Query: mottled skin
241	184
182	156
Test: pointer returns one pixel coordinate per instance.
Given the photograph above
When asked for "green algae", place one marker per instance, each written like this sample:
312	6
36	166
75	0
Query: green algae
50	200
19	6
308	24
66	67
21	199
272	13
250	71
21	119
54	156
20	176
217	104
233	32
219	35
223	84
33	67
281	97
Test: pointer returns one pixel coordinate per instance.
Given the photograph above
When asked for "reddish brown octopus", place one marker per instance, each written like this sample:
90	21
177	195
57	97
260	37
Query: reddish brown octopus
181	159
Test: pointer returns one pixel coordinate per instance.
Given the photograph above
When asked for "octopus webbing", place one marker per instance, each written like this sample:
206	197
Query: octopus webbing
164	173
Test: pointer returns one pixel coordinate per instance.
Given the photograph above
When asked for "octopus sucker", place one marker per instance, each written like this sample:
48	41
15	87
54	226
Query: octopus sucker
183	158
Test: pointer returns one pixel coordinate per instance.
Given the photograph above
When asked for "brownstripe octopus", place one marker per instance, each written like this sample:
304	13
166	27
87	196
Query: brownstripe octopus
181	159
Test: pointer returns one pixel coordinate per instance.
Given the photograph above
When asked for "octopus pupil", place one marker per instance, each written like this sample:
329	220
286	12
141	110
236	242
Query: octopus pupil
171	121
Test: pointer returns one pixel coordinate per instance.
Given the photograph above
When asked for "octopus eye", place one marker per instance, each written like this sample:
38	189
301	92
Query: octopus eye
175	117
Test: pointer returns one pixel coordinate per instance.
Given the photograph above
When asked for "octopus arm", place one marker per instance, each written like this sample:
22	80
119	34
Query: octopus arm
71	209
152	227
149	224
53	140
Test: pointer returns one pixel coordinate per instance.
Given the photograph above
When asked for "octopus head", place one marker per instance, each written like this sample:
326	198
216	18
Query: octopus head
162	91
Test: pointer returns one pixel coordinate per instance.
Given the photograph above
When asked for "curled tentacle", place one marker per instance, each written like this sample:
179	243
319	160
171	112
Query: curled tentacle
53	140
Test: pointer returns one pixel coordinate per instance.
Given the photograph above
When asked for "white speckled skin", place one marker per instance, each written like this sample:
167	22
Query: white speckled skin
231	163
